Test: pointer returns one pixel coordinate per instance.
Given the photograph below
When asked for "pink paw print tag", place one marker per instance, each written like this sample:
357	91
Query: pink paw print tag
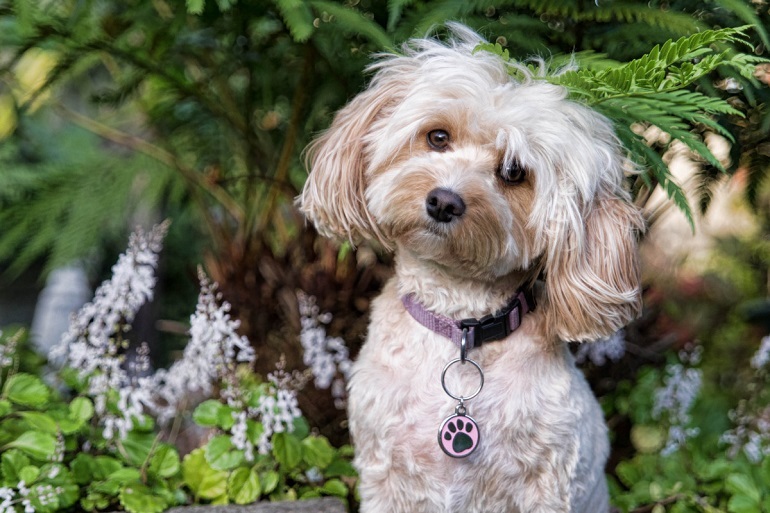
458	435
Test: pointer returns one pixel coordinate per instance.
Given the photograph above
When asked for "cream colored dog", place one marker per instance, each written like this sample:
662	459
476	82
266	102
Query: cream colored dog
481	184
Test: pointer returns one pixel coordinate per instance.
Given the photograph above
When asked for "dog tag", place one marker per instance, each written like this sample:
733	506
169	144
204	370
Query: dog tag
458	435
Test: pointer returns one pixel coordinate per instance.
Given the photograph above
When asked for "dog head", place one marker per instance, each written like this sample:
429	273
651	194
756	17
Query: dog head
446	156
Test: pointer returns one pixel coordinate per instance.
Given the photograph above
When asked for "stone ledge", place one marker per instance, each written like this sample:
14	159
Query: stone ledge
325	505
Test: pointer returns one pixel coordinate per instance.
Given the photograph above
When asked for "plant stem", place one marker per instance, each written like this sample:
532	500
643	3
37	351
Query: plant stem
157	153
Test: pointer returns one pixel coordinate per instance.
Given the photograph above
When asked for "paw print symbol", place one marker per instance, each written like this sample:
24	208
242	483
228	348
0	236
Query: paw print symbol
459	436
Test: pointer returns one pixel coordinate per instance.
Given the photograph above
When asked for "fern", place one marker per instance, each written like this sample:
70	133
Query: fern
654	89
298	18
66	206
354	22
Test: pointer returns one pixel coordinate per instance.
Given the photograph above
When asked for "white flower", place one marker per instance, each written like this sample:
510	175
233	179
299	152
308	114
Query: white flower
611	348
277	409
7	495
673	402
94	343
214	350
327	357
762	356
239	438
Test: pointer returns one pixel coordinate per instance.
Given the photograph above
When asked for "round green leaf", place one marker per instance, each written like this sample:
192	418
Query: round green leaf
5	407
742	504
27	390
103	466
125	476
221	455
287	450
269	481
335	487
317	452
204	481
81	409
165	461
243	486
81	468
29	474
38	445
742	484
137	498
207	413
138	446
225	418
301	428
11	464
39	421
340	467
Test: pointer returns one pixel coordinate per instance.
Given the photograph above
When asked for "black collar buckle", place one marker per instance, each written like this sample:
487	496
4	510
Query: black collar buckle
491	327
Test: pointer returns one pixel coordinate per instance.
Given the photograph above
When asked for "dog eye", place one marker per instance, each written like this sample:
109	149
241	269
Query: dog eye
513	173
438	139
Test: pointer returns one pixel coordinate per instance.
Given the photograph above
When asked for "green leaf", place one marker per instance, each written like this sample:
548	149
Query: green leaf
82	467
269	481
38	445
5	407
225	418
317	452
11	464
301	428
742	484
287	450
125	476
137	498
243	486
102	466
27	390
743	504
335	487
29	474
340	468
39	421
81	409
195	6
165	462
221	455
207	413
137	447
204	481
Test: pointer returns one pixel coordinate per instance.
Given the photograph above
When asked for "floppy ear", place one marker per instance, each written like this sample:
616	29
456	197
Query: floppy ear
334	196
592	276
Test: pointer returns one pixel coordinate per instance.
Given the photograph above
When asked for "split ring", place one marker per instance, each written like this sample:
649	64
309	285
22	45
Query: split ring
462	398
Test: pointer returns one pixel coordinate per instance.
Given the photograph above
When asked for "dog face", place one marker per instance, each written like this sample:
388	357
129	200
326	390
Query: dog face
449	158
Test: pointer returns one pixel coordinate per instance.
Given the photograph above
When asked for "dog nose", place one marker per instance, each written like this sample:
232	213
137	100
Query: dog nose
444	205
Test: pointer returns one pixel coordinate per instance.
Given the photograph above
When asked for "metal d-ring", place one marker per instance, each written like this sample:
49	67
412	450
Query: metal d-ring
462	398
464	347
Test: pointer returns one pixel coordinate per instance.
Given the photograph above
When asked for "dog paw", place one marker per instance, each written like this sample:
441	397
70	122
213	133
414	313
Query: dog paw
459	436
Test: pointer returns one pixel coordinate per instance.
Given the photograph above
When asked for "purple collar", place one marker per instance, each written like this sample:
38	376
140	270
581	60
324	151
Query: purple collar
490	327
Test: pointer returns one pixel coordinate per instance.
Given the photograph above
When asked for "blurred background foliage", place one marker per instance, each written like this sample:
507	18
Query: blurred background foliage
117	112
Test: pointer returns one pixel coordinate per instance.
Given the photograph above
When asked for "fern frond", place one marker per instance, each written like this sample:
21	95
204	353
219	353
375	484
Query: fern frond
747	14
298	18
353	22
395	8
673	22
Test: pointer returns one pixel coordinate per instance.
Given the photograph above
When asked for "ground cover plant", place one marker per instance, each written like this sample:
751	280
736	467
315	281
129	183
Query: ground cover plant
199	112
103	439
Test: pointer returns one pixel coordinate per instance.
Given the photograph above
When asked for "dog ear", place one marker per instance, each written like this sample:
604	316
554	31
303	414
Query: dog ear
334	196
592	275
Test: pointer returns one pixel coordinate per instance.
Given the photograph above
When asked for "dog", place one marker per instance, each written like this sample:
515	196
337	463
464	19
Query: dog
504	204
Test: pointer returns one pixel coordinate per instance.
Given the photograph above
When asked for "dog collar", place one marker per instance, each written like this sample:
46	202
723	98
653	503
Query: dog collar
491	327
